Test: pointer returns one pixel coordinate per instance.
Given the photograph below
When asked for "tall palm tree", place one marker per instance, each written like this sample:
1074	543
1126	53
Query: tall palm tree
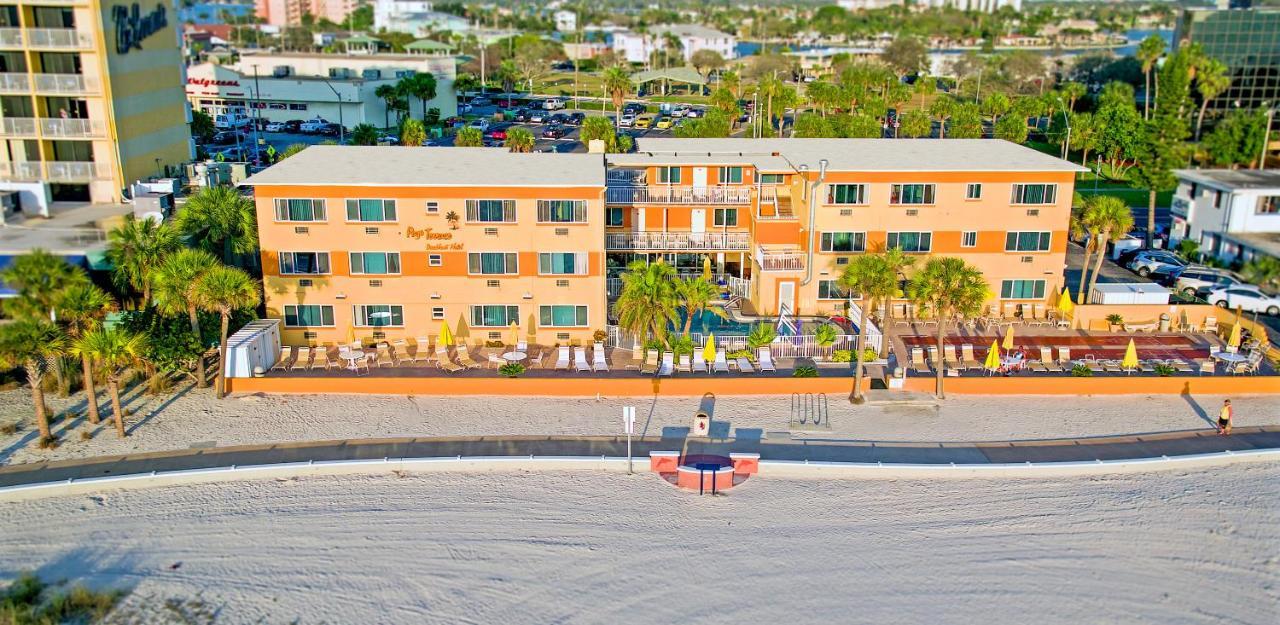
695	295
731	81
875	278
31	344
948	289
646	305
519	140
177	290
1110	215
39	278
422	86
134	248
896	262
222	221
389	95
1083	224
617	86
1148	53
81	308
941	109
116	350
225	290
1211	80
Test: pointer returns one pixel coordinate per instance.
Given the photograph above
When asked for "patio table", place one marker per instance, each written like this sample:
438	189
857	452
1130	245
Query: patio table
352	356
1230	357
515	356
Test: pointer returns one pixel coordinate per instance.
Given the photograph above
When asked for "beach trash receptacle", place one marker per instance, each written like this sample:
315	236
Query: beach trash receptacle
701	425
1164	322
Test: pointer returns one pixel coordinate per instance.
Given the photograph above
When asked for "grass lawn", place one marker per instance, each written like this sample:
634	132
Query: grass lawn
561	84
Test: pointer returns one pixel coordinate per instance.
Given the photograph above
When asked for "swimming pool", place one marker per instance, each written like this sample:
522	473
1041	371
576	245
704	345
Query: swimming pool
707	322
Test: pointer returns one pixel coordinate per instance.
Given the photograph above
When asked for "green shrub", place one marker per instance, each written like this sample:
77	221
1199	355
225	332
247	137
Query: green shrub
846	355
28	600
825	334
681	345
1115	319
1164	370
511	370
741	353
761	334
805	372
1081	371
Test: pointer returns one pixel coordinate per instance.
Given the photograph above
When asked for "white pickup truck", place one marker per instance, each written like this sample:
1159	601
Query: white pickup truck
552	104
313	125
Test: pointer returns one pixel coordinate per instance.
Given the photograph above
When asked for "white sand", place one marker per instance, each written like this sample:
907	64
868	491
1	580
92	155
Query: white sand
1163	548
194	417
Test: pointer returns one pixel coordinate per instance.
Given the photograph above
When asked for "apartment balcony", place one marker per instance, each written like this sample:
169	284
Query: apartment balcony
52	127
15	83
56	38
663	194
676	241
46	3
55	171
66	84
780	260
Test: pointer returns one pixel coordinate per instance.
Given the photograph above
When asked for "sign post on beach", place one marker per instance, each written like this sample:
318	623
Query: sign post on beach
629	424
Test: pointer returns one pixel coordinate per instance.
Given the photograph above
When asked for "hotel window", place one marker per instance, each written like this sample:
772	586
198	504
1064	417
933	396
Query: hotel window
371	210
730	175
562	316
831	289
844	242
1026	242
293	263
969	239
1034	193
437	312
913	242
492	263
771	179
375	262
435	260
562	263
300	210
308	316
1269	205
378	315
973	191
1217	199
562	211
911	194
669	175
847	194
491	211
1022	289
614	216
727	217
496	316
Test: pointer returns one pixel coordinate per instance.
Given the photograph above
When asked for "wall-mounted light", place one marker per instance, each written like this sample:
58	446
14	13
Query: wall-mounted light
528	295
435	296
340	295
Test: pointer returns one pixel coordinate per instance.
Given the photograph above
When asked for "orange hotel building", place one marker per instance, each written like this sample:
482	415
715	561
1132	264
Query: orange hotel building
391	241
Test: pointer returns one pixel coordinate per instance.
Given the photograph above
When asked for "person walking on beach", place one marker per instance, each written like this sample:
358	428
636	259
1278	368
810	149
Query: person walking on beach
1224	418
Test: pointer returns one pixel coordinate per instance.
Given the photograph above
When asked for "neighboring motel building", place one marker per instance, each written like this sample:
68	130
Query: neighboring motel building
1234	214
363	236
286	86
636	47
89	98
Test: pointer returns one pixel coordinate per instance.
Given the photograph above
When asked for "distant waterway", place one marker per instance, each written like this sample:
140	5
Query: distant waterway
1132	37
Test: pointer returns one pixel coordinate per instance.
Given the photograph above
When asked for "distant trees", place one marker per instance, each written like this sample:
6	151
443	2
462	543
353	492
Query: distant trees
906	55
706	61
1236	140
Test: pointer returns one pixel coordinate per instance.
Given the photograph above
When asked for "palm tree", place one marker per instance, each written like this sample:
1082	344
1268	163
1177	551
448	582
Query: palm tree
177	290
896	262
731	81
225	290
617	86
31	344
422	86
949	289
220	220
941	109
1148	53
134	248
364	134
39	278
1211	80
1082	225
81	308
115	350
646	305
877	282
389	95
1109	214
519	140
695	295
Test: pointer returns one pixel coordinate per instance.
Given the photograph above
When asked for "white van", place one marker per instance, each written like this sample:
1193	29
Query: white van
552	104
229	121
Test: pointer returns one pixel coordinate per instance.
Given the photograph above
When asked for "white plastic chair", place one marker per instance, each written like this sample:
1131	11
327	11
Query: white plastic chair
721	364
766	359
562	359
597	358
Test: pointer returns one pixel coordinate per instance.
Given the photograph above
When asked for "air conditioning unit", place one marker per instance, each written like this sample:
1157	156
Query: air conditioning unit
495	336
846	212
562	336
304	283
493	283
843	260
912	212
375	283
1033	212
493	232
309	335
378	334
562	283
301	230
371	231
1028	259
562	232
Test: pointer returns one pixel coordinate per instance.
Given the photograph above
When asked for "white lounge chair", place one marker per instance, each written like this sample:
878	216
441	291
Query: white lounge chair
668	365
766	359
535	359
282	364
597	358
699	363
465	359
562	359
721	364
303	360
496	361
580	360
685	365
744	365
321	359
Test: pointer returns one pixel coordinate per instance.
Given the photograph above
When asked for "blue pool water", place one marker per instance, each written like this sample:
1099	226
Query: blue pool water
708	322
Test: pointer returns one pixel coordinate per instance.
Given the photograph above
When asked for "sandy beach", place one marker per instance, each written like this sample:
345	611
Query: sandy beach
193	417
1164	547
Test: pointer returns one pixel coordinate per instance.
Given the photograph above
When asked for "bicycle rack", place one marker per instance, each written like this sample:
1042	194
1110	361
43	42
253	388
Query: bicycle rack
809	409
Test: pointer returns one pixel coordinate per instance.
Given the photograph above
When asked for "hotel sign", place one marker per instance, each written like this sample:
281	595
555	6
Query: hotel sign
132	27
431	235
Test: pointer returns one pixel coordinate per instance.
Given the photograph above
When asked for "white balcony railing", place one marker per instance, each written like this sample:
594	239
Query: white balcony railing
60	38
19	126
773	260
678	195
677	241
55	171
11	82
11	37
71	127
65	84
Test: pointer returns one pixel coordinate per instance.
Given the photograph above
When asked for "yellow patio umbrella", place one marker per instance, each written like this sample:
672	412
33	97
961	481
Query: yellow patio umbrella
351	334
446	335
1130	360
515	333
709	350
1065	305
706	268
1234	340
1008	338
993	358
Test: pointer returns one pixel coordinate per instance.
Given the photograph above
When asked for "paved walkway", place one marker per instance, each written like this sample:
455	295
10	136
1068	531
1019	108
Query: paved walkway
812	449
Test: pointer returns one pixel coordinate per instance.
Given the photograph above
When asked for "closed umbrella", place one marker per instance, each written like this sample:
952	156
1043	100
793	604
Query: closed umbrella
446	335
1130	361
993	358
709	350
1234	340
1065	305
706	268
515	333
1008	338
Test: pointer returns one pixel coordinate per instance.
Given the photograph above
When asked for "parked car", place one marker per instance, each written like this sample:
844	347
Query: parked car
480	124
293	125
227	121
275	127
480	101
635	108
313	125
679	110
538	116
576	119
644	121
223	137
558	118
522	115
1151	262
498	132
331	130
663	123
553	132
693	112
1247	297
553	104
628	120
1194	280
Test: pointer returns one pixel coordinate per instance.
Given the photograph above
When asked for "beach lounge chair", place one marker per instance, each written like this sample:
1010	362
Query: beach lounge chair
686	365
1092	363
1036	366
422	351
465	359
303	360
1064	357
597	358
917	362
282	364
400	348
495	361
699	362
385	356
1046	359
967	359
562	358
720	365
650	364
1149	366
580	360
766	359
1112	366
362	363
321	359
535	358
934	361
1210	324
744	365
444	362
949	355
668	364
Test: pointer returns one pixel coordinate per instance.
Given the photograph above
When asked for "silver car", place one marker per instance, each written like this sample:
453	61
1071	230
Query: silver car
1198	281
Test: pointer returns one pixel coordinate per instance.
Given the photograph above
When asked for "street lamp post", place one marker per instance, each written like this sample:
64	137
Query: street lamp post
1266	135
1066	145
342	128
